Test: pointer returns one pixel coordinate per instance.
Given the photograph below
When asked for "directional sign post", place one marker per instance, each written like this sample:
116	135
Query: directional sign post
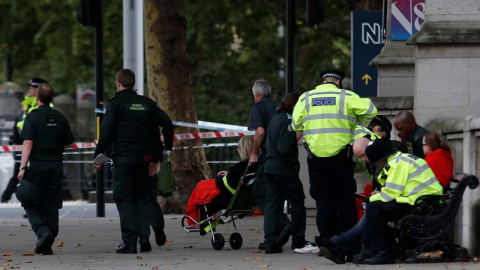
367	42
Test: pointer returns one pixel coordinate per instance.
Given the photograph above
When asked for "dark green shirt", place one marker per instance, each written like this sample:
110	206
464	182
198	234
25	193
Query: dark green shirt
50	132
282	154
130	123
261	114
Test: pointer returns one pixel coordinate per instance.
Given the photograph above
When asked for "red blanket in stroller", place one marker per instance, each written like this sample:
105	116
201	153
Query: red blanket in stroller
203	193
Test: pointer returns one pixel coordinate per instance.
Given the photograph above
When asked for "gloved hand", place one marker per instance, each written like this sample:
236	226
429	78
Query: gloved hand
166	153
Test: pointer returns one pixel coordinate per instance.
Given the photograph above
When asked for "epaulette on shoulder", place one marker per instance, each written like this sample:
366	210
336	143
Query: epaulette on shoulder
114	96
387	167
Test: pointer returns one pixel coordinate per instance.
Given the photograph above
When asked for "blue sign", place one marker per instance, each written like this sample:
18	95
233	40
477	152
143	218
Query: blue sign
326	101
367	42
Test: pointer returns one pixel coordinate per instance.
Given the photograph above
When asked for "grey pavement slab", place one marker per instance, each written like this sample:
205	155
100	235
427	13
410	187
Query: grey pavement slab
89	243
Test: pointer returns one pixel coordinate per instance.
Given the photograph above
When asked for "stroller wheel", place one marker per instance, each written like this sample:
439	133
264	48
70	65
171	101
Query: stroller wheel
218	241
236	240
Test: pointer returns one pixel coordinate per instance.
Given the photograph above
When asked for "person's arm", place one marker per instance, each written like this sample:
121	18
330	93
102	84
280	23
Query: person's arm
26	151
167	128
394	185
257	142
298	114
363	108
299	135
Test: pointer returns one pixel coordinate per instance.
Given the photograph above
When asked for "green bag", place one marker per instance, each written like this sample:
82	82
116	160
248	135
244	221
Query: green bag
166	183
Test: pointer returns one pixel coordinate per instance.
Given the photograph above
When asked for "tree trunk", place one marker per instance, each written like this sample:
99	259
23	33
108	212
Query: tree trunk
168	73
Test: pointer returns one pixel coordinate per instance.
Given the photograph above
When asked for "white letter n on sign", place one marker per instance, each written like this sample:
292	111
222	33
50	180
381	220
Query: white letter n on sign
371	33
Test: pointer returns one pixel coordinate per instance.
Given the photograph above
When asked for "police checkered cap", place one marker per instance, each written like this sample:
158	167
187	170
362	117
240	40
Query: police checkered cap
36	82
337	74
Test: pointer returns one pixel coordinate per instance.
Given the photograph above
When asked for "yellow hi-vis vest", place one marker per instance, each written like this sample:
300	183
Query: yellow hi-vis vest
405	178
361	131
328	116
29	104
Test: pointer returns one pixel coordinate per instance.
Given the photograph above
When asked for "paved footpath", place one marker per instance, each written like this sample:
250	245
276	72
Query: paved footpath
89	243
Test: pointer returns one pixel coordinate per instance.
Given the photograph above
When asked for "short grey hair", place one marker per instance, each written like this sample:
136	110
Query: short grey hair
262	88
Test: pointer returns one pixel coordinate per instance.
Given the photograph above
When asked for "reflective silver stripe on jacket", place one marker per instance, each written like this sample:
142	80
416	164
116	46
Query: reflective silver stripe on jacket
326	130
409	161
418	172
371	108
422	186
307	103
394	186
295	124
329	116
342	102
386	197
324	93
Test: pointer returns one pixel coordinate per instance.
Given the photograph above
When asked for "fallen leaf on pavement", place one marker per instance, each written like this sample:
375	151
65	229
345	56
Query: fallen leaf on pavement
77	245
139	257
28	254
60	244
188	247
155	268
91	235
29	261
256	251
247	258
79	220
8	254
226	233
257	258
10	260
110	267
142	264
169	241
399	265
304	268
11	234
264	266
23	225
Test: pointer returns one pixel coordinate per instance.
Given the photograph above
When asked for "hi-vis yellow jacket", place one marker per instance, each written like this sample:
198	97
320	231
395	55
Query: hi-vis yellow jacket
361	131
405	178
29	104
328	116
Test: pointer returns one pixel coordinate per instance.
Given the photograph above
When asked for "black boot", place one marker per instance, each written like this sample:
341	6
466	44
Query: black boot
44	242
333	255
144	244
124	249
384	257
360	257
274	249
160	237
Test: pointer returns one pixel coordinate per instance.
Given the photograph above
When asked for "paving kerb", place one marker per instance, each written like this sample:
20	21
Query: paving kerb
89	243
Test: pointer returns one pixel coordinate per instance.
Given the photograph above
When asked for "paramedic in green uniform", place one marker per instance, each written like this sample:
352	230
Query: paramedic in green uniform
130	123
45	134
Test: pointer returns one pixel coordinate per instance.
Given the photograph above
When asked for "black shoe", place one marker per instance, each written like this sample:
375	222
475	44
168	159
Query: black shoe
318	241
333	255
48	251
360	257
144	244
284	235
124	249
384	257
274	249
44	242
261	246
326	242
160	237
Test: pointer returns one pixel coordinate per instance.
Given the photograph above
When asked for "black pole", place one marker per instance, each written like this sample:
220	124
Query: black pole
290	46
99	103
9	67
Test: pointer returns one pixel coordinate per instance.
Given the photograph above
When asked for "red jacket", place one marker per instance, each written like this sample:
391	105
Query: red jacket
441	163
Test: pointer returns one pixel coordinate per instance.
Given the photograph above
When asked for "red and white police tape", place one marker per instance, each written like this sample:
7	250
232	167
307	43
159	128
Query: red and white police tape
177	137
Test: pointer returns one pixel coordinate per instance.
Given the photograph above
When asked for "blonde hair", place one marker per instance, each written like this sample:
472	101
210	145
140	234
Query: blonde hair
245	147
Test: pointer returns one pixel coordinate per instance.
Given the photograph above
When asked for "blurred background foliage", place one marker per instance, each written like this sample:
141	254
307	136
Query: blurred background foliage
230	45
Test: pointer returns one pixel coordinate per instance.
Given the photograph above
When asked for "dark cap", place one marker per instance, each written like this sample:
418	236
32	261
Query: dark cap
337	74
383	122
35	82
379	150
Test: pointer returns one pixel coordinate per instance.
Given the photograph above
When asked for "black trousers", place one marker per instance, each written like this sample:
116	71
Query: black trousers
279	189
377	236
134	195
333	188
47	177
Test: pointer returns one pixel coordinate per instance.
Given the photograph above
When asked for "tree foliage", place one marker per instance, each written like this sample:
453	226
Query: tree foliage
230	44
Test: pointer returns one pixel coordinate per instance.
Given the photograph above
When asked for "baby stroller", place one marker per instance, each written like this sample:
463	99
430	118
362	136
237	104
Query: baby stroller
242	204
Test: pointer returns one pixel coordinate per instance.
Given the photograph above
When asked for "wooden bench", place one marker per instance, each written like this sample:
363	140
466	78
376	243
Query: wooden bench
426	227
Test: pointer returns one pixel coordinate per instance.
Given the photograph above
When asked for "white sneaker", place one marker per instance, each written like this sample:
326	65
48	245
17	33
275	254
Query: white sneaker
308	248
